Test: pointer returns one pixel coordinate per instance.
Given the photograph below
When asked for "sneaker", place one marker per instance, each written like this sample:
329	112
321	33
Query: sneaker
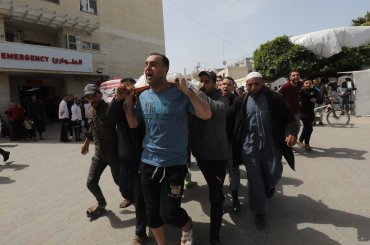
187	181
307	147
6	156
300	143
321	123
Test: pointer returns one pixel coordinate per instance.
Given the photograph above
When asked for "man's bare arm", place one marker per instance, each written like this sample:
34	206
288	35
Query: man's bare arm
201	107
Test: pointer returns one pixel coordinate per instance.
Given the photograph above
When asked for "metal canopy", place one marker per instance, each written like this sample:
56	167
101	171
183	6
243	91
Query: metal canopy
42	17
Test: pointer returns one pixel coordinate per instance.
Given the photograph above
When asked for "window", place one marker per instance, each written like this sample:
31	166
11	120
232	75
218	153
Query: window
53	1
89	6
86	45
95	46
72	42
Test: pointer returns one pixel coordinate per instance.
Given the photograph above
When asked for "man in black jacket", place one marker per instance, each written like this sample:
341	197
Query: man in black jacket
208	141
264	131
129	150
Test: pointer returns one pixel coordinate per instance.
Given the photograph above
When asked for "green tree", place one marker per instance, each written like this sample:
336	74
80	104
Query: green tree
362	21
276	58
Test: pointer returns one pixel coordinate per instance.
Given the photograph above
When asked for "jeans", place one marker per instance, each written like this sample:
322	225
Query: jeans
214	172
163	188
98	164
64	129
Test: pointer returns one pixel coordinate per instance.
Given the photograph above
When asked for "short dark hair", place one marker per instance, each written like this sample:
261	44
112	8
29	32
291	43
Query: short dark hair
230	78
294	70
219	76
165	60
128	79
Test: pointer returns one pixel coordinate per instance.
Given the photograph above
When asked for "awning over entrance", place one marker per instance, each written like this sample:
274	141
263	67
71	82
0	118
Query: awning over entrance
39	16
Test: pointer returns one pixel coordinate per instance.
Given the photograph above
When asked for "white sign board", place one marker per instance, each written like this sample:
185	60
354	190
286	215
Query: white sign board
32	57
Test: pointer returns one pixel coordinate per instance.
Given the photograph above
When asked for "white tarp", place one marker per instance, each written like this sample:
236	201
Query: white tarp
329	42
108	89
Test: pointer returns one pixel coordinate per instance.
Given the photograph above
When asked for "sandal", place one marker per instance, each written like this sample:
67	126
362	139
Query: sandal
94	210
125	203
187	237
138	240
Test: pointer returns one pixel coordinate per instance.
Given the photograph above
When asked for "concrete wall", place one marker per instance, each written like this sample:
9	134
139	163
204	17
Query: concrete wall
362	83
4	93
128	30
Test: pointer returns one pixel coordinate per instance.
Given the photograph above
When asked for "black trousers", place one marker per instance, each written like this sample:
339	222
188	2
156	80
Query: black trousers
130	187
2	152
214	172
98	164
163	188
307	121
64	129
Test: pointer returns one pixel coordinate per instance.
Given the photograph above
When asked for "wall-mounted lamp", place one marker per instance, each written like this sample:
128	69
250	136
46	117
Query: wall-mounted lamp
99	70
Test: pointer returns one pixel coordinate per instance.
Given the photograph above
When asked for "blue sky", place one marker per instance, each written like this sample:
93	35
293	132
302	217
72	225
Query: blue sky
210	31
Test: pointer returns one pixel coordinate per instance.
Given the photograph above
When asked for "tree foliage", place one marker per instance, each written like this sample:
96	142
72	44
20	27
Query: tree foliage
276	58
362	21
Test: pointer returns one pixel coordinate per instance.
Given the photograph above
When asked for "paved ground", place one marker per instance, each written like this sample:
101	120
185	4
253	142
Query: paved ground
326	201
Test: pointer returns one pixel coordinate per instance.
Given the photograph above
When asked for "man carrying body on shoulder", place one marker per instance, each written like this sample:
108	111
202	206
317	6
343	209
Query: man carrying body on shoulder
208	143
227	88
164	111
103	132
264	131
130	149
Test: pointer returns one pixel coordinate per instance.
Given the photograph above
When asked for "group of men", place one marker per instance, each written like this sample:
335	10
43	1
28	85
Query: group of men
144	139
72	115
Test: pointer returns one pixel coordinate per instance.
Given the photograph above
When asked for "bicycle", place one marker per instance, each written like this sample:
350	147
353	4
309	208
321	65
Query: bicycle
335	117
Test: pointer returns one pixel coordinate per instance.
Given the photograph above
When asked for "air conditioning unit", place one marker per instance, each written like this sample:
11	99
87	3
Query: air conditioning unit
73	42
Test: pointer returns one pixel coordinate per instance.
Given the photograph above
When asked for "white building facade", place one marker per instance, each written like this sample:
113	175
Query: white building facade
55	47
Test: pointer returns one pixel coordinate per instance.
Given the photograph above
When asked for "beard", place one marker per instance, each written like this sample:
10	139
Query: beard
255	95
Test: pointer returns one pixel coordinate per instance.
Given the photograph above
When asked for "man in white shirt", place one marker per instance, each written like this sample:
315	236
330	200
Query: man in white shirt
64	119
76	118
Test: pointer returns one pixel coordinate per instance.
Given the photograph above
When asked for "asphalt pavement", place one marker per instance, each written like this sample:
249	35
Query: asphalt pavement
325	201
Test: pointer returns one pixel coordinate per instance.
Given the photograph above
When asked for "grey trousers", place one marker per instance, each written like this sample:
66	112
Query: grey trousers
98	164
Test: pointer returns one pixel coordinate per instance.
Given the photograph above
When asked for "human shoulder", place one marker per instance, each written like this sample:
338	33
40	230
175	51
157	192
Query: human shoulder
285	86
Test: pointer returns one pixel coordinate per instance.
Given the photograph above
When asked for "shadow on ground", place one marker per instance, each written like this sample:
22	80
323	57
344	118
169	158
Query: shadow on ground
288	219
334	153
